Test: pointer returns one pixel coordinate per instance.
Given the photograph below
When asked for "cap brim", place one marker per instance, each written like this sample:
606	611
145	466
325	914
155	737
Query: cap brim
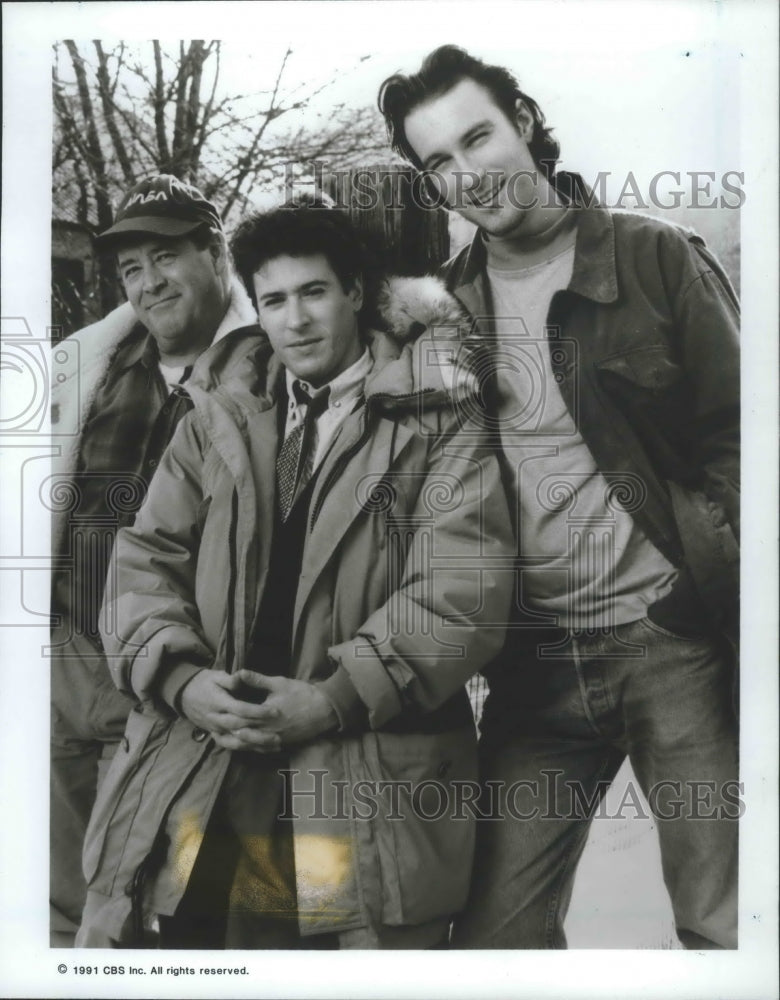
148	225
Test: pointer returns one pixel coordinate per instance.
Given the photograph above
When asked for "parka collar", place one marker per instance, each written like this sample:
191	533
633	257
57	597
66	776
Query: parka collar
420	358
432	370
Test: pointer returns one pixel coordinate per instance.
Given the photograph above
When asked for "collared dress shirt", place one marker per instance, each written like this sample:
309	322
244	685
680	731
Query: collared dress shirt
345	391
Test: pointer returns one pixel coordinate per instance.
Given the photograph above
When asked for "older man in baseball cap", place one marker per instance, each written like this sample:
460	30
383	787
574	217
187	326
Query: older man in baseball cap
187	321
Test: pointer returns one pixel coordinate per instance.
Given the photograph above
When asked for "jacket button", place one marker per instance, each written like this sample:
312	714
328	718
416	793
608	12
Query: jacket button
442	769
199	735
126	744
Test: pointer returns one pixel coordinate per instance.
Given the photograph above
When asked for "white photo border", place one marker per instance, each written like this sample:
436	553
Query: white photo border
27	966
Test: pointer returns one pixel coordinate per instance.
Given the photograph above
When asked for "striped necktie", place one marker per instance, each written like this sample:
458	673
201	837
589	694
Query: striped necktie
295	461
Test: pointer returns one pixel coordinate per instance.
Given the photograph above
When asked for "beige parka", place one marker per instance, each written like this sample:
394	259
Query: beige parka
404	588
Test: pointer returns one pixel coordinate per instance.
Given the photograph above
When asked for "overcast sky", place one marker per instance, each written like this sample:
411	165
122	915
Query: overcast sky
628	86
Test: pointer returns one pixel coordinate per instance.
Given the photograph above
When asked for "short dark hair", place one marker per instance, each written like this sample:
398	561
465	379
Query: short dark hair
441	70
206	236
299	229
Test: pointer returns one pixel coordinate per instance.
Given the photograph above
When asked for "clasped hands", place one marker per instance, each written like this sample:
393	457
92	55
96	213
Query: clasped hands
294	711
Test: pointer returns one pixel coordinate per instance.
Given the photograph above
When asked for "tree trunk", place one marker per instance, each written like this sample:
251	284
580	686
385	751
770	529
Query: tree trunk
97	167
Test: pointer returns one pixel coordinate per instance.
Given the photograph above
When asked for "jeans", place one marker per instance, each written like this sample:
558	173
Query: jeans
557	725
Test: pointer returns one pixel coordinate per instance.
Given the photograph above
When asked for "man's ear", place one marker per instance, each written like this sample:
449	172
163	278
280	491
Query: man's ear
219	252
356	294
524	120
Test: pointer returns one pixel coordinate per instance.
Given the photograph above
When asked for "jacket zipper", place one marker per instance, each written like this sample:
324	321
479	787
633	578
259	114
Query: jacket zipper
230	624
136	886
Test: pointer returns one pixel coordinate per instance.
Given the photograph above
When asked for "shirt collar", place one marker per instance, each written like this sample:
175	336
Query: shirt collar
150	355
520	254
140	348
347	385
594	274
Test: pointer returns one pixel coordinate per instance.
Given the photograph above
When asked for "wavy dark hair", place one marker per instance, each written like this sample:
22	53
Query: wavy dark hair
302	228
441	70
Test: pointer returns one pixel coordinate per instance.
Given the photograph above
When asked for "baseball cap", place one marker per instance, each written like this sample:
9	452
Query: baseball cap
161	205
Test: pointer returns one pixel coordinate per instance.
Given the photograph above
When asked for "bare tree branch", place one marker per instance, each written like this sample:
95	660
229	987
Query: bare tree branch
95	162
208	111
69	150
199	55
159	106
154	107
104	90
131	123
180	106
246	161
120	61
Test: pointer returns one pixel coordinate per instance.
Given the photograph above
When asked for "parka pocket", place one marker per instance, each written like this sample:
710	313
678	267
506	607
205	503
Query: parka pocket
423	829
145	734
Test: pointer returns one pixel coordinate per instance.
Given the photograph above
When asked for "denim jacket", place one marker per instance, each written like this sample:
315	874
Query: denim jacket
644	346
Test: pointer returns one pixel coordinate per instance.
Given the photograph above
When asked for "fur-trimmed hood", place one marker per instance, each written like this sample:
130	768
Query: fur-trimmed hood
429	351
407	306
419	346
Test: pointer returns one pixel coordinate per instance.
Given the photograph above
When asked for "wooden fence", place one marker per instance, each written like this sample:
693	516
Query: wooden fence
393	213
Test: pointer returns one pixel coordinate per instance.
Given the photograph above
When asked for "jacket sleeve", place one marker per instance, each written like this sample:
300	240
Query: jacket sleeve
150	625
446	618
707	317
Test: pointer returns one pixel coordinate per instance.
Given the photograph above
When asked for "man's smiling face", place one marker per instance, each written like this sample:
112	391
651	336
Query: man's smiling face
478	158
175	290
310	319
